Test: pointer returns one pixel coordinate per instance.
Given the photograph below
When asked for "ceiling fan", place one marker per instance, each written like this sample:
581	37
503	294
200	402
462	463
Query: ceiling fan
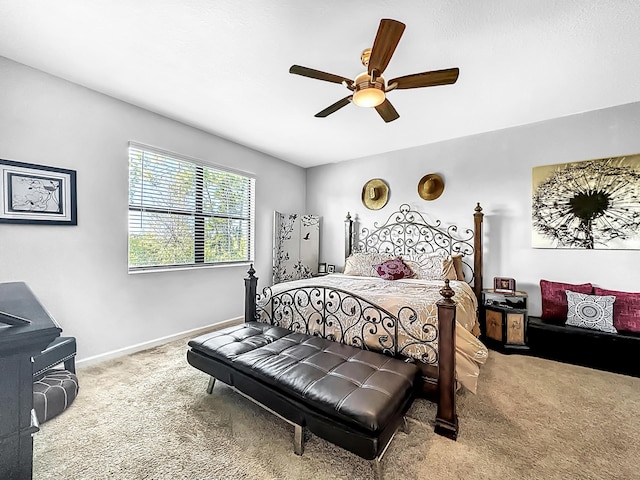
369	88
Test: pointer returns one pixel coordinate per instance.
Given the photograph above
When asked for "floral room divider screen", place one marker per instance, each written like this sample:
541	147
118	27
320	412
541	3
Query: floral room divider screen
296	246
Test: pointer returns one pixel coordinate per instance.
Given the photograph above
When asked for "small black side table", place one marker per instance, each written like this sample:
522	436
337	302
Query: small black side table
504	320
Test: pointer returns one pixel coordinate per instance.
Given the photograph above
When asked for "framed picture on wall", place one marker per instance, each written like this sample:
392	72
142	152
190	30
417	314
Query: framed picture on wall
37	194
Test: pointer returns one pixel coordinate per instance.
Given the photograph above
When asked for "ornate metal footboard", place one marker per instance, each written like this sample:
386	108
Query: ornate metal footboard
342	316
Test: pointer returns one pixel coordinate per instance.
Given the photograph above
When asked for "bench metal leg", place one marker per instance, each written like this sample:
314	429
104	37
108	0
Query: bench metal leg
404	426
377	462
378	468
212	382
299	430
298	439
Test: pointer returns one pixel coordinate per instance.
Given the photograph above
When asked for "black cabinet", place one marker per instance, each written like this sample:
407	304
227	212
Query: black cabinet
18	343
504	325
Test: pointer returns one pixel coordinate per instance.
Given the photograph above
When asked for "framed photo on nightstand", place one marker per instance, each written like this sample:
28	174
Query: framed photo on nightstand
331	268
504	285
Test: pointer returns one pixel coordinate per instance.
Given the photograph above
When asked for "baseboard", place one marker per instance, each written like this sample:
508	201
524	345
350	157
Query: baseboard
103	357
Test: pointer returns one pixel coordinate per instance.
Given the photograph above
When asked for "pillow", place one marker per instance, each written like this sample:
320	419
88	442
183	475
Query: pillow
457	265
590	311
554	299
361	264
393	269
432	266
626	309
449	268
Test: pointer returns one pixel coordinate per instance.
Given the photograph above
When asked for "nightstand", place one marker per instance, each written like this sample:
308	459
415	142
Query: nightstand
504	325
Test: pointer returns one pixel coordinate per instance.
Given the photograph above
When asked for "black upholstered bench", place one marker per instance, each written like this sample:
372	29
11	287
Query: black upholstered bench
351	397
614	352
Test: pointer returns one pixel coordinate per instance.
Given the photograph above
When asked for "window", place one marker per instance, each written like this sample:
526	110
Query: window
185	213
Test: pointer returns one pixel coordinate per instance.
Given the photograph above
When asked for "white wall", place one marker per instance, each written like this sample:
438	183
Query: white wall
495	170
80	273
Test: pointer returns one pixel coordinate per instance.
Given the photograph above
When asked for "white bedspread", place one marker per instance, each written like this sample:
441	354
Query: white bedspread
417	338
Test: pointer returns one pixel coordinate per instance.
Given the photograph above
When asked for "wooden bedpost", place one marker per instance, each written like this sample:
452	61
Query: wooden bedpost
446	417
477	252
250	290
348	236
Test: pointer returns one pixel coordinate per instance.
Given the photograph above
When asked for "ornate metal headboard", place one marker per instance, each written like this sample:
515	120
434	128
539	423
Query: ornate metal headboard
407	233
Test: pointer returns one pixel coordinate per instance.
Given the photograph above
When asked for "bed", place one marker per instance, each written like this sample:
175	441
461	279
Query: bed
431	320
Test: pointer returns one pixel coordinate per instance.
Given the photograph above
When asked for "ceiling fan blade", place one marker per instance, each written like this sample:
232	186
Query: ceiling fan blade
317	74
335	107
426	79
387	112
387	38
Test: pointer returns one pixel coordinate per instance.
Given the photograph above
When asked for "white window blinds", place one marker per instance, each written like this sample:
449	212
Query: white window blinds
186	213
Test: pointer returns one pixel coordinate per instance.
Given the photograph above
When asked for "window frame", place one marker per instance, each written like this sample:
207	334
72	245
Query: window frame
198	215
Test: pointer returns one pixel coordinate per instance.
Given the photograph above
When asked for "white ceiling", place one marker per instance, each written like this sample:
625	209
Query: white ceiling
222	65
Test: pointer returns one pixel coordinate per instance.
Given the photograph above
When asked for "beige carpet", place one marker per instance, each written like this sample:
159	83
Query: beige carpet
147	416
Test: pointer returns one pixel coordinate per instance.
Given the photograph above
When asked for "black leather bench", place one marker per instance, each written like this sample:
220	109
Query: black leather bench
351	397
614	352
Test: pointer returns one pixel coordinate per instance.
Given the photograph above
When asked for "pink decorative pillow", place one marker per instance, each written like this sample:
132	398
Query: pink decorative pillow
626	309
393	269
554	298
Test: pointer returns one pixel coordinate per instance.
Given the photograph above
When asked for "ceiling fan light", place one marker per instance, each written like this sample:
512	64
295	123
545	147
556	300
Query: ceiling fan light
368	97
368	93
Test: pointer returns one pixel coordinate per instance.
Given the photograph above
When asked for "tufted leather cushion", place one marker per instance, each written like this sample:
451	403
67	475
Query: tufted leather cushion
230	342
53	393
353	386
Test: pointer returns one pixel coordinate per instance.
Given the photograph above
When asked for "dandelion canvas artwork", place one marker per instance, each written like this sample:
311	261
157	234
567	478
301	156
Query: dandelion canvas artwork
592	204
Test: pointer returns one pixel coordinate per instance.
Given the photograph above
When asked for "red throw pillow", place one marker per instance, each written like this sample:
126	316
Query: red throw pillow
626	309
554	298
393	269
